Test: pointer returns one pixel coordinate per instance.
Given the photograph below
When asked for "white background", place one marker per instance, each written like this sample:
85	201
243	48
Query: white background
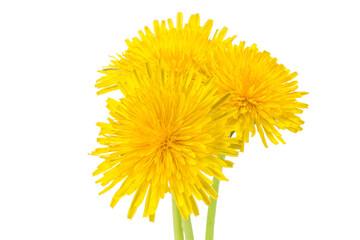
50	54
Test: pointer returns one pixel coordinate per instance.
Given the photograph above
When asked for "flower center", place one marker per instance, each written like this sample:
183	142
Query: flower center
167	142
245	104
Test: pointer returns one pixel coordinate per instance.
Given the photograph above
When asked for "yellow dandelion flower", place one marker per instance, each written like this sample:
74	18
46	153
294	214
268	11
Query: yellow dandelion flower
164	139
179	47
263	92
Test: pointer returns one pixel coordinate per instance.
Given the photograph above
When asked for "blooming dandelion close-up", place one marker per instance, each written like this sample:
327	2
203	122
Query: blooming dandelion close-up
164	139
180	47
179	120
263	92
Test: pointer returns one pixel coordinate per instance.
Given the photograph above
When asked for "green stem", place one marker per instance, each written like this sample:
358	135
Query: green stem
210	223
178	230
189	235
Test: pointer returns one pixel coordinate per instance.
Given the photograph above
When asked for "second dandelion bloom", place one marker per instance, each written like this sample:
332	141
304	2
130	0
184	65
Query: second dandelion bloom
178	46
263	92
165	138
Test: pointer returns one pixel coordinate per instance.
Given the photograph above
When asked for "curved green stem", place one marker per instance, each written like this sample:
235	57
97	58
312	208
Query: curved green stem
177	220
186	224
210	223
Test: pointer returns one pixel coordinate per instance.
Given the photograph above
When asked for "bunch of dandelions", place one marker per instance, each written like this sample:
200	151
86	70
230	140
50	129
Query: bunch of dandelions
186	93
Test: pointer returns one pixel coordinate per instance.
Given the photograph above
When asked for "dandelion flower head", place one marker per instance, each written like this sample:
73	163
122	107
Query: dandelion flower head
263	92
179	47
164	139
